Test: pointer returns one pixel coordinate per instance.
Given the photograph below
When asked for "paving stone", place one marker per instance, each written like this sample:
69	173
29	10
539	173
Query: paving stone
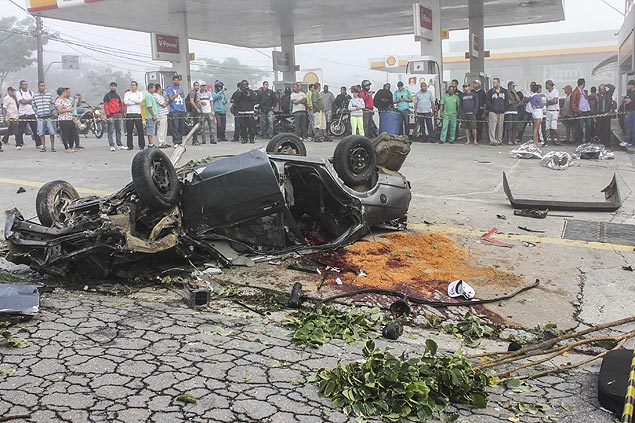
255	409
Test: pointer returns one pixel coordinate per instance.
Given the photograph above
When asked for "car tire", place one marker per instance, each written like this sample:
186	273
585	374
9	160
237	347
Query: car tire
355	161
154	179
286	144
50	200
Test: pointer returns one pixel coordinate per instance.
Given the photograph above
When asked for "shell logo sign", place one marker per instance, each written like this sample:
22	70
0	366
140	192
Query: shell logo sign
391	62
311	78
39	5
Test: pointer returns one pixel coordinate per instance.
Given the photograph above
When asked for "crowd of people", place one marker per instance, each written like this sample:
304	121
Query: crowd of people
500	115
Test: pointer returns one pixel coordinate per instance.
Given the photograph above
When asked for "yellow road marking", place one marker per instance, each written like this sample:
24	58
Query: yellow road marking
34	184
454	230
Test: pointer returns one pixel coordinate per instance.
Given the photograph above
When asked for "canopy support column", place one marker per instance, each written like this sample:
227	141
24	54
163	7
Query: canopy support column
476	41
178	23
434	47
284	10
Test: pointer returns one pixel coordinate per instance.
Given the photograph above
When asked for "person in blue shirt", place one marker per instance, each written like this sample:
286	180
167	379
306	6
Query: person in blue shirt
402	100
424	110
176	100
220	109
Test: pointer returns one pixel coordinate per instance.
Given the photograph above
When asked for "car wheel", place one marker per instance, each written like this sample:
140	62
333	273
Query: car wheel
155	180
355	160
286	144
51	201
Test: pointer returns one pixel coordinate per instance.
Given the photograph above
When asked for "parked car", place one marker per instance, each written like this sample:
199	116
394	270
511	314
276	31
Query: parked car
259	202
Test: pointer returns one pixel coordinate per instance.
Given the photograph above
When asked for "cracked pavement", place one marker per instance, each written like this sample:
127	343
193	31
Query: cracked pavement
98	358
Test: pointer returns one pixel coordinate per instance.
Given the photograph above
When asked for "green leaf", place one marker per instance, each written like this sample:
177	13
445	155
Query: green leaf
431	346
8	370
478	401
187	398
513	383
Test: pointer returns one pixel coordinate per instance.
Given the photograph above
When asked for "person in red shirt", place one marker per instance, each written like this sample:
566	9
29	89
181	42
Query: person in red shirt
112	110
369	125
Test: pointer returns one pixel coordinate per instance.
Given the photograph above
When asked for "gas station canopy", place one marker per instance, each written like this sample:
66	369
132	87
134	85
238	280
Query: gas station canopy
256	23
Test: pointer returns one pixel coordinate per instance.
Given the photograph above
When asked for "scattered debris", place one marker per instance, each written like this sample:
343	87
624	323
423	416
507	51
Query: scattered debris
526	229
187	398
501	216
612	202
460	288
338	281
613	380
19	299
296	295
627	268
529	244
400	389
392	331
306	268
400	308
489	240
537	214
196	293
471	328
20	190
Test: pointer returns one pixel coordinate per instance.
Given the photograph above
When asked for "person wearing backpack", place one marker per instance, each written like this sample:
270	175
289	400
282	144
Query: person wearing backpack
26	116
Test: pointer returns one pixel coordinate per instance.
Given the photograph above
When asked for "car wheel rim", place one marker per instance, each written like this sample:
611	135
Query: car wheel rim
359	159
161	176
288	148
61	200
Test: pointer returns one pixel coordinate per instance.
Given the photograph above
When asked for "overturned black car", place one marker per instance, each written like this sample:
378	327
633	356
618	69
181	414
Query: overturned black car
257	203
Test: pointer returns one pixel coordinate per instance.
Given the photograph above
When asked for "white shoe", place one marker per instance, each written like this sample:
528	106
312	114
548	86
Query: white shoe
18	147
113	149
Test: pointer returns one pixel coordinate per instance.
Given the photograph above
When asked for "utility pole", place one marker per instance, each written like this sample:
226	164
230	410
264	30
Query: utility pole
40	48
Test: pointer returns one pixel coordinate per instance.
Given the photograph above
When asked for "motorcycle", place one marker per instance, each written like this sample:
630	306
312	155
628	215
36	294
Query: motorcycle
91	119
283	123
340	122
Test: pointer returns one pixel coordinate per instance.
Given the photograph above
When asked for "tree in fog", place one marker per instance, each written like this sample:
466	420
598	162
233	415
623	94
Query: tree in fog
230	71
17	44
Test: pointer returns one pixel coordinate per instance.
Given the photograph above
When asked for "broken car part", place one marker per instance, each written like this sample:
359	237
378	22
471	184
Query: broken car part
460	288
487	238
538	214
19	299
300	267
526	229
400	308
296	295
612	201
196	294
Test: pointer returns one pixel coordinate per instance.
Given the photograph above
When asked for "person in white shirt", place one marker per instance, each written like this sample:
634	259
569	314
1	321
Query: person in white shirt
162	116
26	115
207	114
298	102
133	99
10	116
552	100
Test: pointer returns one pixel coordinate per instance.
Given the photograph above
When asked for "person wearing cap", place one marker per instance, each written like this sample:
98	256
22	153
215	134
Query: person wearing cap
552	100
495	102
480	116
604	110
512	99
365	94
207	114
10	115
220	109
448	111
402	100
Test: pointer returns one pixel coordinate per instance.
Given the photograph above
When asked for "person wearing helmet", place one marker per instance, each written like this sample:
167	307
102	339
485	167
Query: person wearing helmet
207	114
220	109
366	95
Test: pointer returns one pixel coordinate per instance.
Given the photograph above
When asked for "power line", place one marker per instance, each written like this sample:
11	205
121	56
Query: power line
17	5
